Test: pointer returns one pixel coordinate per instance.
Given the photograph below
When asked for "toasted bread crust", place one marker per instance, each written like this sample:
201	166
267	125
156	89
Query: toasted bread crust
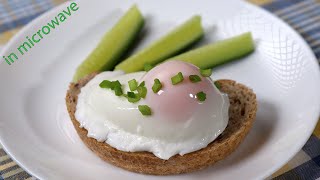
242	112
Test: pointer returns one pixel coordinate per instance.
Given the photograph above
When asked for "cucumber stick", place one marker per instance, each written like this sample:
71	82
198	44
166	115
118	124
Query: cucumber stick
166	47
220	52
113	44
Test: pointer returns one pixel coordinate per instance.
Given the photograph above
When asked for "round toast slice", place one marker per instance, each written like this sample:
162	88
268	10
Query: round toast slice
242	112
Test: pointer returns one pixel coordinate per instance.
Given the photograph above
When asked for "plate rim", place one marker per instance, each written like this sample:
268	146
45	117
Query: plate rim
306	46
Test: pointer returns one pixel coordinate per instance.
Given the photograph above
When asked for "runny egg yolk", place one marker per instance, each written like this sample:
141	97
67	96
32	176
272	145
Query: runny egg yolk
176	102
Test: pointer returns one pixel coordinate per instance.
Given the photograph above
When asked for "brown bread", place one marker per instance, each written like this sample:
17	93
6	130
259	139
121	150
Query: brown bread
242	112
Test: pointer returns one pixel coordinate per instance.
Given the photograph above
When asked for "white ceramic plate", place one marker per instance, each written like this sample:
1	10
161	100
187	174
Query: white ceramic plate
35	128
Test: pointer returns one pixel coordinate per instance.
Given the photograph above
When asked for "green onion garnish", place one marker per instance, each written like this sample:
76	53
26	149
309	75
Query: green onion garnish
145	110
156	86
217	84
115	84
142	91
194	78
201	96
118	91
142	84
105	84
133	97
177	78
148	67
206	72
131	94
133	84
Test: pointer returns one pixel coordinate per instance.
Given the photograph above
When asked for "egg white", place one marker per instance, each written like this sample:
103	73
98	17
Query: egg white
119	123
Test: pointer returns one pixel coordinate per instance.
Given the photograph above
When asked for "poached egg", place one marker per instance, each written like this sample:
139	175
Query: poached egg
179	123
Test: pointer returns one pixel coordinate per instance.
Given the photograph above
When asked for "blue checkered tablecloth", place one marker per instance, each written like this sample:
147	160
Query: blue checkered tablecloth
302	15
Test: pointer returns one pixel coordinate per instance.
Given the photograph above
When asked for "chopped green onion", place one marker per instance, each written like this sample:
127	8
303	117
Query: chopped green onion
142	91
132	97
105	84
177	78
134	100
118	91
201	96
217	84
115	84
206	72
194	78
156	86
133	84
145	110
142	84
131	94
148	67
